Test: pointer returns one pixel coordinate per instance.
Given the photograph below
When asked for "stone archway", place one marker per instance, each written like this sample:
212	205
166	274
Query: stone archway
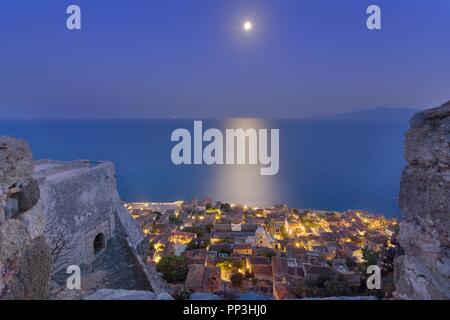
99	243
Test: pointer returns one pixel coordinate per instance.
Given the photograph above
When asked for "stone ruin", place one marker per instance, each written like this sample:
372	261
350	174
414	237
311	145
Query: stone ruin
55	214
88	227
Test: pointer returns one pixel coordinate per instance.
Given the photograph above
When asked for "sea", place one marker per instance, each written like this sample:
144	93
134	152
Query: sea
324	164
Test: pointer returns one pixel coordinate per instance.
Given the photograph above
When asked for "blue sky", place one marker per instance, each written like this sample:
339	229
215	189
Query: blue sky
191	58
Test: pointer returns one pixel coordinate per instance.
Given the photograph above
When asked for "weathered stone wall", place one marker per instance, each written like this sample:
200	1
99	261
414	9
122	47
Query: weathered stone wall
423	272
81	202
24	255
51	215
78	205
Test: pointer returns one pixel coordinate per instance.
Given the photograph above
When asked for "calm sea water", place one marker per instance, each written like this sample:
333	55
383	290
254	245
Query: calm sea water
333	165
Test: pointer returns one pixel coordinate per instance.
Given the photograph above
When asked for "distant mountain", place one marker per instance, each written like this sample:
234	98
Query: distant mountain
393	114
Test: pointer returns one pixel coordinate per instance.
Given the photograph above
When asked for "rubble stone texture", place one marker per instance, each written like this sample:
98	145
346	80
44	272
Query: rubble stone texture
24	255
423	272
15	165
120	294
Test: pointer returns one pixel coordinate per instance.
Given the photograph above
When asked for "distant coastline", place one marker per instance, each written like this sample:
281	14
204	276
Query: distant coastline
375	114
332	165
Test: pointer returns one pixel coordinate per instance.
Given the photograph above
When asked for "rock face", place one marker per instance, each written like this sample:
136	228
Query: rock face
423	272
24	254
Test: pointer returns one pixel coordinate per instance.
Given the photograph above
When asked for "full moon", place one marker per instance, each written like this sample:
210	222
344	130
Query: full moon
248	26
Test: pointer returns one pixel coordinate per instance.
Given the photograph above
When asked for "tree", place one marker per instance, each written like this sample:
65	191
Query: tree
351	263
198	230
337	288
225	207
226	250
61	247
283	232
303	290
197	244
237	279
173	268
174	220
266	252
183	294
209	227
369	256
230	263
158	215
238	264
309	222
387	256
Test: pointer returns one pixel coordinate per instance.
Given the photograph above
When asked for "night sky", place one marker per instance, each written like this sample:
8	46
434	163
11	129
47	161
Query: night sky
192	58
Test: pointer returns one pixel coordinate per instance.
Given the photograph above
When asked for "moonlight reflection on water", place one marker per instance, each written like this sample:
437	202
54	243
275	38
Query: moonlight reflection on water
243	184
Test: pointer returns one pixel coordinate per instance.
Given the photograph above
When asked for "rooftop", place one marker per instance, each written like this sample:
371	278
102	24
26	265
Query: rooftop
55	170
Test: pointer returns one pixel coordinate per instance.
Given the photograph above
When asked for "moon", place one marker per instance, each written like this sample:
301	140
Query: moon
247	26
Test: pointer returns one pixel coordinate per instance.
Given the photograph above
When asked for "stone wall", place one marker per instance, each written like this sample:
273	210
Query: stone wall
24	255
80	200
423	272
81	204
54	214
78	207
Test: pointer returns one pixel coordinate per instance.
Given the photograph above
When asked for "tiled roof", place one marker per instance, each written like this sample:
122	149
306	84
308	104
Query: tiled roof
319	270
256	260
242	246
262	270
279	266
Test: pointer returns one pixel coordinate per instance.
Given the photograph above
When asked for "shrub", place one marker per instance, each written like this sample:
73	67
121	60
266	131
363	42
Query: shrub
174	220
173	268
303	290
209	227
237	279
226	249
337	288
183	294
198	230
369	256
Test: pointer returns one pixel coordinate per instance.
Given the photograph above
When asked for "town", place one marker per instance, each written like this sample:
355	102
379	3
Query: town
235	251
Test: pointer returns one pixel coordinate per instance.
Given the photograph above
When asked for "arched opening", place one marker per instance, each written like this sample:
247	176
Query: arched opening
99	243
